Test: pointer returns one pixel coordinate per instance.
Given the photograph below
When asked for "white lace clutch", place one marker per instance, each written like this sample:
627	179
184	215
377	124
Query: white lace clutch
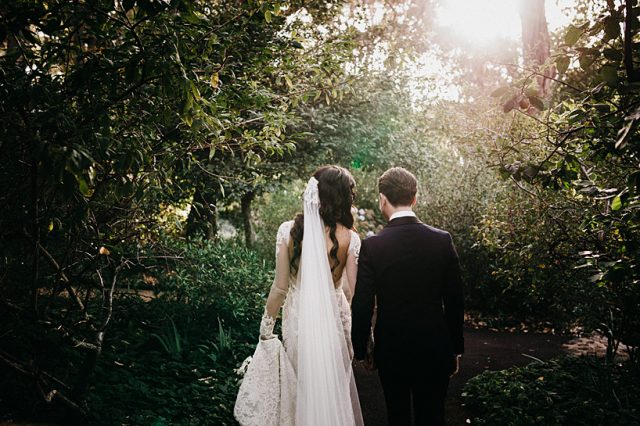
267	393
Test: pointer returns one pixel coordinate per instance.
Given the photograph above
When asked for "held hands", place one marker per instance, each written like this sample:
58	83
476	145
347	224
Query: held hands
367	363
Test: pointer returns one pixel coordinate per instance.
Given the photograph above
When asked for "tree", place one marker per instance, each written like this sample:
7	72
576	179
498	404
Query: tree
585	149
536	43
116	109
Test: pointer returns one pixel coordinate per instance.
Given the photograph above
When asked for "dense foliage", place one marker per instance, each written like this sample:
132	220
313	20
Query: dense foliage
177	353
579	159
170	357
134	127
120	111
564	391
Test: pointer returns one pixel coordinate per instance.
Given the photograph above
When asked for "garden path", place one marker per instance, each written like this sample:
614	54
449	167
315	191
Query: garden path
484	350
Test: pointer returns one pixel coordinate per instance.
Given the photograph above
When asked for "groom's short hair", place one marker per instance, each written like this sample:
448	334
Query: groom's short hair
398	185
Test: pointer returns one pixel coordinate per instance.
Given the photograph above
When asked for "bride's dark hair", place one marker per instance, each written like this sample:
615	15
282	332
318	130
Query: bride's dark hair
336	189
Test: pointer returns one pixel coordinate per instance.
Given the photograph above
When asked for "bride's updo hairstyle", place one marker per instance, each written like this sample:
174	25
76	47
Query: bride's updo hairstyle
336	189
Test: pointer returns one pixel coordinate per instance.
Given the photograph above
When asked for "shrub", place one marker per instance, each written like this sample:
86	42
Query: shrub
564	391
171	360
530	252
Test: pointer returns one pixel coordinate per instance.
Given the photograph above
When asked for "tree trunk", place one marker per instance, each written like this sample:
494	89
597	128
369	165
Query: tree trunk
249	232
202	220
629	18
536	43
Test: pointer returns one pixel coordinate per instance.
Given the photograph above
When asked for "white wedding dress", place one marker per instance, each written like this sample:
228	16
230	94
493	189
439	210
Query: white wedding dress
307	379
290	308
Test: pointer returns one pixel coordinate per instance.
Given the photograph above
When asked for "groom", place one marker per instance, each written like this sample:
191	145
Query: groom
411	271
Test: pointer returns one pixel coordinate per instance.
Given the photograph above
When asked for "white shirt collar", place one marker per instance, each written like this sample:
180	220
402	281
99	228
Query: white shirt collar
402	213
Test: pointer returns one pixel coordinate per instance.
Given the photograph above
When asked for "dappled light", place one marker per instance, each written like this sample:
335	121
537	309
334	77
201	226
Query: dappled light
151	151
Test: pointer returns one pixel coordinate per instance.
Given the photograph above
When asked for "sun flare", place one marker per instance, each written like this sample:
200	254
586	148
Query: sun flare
479	21
483	22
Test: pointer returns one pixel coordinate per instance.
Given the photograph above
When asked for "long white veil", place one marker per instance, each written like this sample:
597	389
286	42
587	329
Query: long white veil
326	392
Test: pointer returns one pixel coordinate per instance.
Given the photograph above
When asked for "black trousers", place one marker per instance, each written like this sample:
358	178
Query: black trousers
417	394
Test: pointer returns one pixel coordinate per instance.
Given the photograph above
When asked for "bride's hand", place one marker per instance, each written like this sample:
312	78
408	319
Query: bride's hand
269	337
266	327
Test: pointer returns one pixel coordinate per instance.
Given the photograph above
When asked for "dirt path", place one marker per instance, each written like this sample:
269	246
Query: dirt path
484	350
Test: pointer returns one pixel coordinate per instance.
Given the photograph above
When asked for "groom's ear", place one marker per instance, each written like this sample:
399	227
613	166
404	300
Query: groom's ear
414	201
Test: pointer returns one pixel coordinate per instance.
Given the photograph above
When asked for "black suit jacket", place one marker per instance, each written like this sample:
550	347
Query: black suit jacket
413	271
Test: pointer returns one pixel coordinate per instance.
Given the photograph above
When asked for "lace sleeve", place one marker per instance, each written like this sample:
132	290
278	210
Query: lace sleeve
280	285
354	245
352	261
282	237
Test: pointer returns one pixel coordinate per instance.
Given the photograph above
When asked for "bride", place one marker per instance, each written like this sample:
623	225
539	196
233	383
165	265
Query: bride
308	380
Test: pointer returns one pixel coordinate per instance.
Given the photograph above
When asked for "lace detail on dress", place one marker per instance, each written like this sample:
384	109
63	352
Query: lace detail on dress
290	325
266	326
345	319
267	393
354	245
282	237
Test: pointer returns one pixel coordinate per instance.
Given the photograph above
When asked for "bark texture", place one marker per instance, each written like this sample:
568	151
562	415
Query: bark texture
537	44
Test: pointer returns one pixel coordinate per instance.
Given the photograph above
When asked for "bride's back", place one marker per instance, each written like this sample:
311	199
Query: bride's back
343	238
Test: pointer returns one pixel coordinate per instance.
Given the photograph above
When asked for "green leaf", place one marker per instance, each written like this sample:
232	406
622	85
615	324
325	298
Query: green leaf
215	80
616	203
537	103
288	81
82	186
188	103
609	75
562	63
585	61
530	172
611	28
572	35
267	16
194	90
614	55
